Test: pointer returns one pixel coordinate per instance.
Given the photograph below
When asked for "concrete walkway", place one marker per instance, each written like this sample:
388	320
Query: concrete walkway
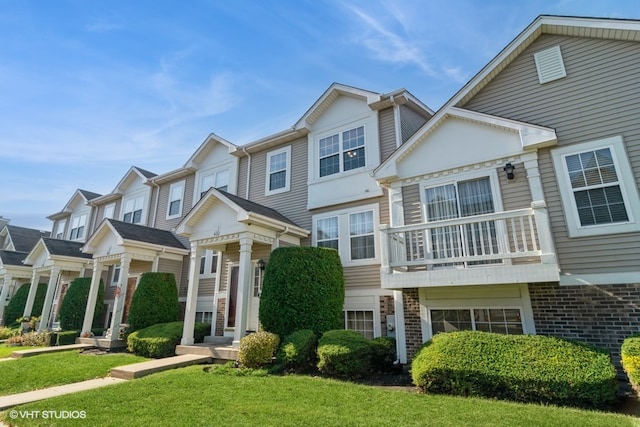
18	354
137	370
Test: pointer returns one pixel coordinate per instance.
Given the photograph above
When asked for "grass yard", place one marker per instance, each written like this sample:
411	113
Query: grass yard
190	396
46	370
5	350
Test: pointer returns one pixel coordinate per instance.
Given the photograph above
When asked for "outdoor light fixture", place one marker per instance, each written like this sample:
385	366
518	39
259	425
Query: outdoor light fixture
508	168
261	264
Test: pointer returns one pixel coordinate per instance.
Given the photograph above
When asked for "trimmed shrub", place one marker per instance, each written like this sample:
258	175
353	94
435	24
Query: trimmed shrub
258	349
298	350
74	304
155	301
37	339
303	289
383	353
525	368
15	308
343	353
67	337
160	340
6	333
630	353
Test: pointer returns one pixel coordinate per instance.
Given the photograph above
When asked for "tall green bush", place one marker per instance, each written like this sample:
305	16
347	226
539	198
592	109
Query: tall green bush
526	368
74	304
630	353
298	350
155	301
15	308
344	353
303	289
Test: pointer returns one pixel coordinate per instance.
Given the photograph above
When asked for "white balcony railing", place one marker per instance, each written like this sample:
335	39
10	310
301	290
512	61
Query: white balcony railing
504	238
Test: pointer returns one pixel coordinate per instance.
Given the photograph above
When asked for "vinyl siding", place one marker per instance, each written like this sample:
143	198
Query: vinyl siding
597	99
411	204
515	193
161	221
387	131
171	266
410	121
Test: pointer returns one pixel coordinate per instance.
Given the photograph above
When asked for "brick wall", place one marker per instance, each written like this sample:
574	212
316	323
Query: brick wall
386	308
602	315
220	318
412	323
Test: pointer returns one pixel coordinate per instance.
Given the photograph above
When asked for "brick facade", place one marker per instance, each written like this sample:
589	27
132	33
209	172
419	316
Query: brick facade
220	310
386	308
412	322
600	315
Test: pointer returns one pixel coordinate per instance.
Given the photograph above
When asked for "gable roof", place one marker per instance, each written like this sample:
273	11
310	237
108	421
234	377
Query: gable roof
66	248
12	258
22	238
140	233
119	188
79	195
257	208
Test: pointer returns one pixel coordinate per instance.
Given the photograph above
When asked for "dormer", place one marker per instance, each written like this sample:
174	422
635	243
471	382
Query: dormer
74	220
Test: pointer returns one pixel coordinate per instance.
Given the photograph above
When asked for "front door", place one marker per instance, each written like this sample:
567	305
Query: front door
131	289
254	300
233	296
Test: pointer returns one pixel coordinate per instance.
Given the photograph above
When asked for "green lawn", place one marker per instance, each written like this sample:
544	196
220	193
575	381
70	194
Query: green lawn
46	370
192	397
5	351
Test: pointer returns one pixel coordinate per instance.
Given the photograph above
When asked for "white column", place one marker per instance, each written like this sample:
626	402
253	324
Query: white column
244	290
93	296
401	338
192	294
32	293
384	249
121	297
6	284
54	276
543	225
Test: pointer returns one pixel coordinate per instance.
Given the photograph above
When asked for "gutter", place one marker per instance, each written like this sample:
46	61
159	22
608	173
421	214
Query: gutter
244	149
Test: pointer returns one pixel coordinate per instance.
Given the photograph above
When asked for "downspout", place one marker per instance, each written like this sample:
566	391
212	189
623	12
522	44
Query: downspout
396	121
244	150
155	205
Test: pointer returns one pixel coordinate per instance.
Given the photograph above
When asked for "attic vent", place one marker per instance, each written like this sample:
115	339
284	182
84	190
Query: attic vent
549	65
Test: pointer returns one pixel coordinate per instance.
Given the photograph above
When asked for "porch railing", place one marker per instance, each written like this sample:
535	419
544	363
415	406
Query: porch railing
495	238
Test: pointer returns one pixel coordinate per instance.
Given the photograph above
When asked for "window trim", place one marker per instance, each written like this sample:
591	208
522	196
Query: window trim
345	312
477	307
111	206
170	200
625	179
60	229
211	173
341	150
80	227
209	255
115	280
344	236
134	198
287	169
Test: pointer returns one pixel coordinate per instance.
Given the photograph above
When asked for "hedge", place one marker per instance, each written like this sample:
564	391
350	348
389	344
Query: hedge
160	340
525	368
67	337
303	289
298	350
343	353
15	309
383	353
155	301
258	349
74	304
630	353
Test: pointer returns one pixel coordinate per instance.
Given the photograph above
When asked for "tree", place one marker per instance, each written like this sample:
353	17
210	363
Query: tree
15	308
74	304
155	301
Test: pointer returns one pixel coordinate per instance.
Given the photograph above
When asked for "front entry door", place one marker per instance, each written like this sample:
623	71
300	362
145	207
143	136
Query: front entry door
131	289
233	297
254	300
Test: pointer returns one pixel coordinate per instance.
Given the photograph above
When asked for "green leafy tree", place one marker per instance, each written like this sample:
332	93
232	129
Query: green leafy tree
155	301
303	289
74	304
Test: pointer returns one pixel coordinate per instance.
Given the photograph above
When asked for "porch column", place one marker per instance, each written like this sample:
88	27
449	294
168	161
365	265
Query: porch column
244	290
192	295
35	278
54	276
6	284
121	297
401	338
93	296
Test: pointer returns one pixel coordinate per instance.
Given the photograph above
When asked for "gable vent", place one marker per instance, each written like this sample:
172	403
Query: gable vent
549	65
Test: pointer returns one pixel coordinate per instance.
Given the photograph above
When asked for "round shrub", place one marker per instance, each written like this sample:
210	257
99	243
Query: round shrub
15	309
155	301
298	350
160	340
257	349
525	368
630	353
343	353
74	304
303	289
383	353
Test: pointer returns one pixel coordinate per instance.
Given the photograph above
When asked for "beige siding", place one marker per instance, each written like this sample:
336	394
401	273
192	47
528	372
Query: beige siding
410	121
184	278
171	266
411	204
161	220
597	99
387	131
515	193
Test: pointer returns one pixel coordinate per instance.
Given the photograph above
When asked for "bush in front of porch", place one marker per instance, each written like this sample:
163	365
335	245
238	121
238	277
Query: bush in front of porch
160	340
303	289
630	353
15	308
74	304
155	301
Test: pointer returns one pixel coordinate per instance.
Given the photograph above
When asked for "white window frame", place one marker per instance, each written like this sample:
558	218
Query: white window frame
109	211
344	237
60	228
115	275
341	150
210	258
287	169
176	194
78	223
215	176
478	307
345	313
138	202
626	182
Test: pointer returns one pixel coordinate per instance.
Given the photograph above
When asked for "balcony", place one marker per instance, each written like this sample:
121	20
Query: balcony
498	248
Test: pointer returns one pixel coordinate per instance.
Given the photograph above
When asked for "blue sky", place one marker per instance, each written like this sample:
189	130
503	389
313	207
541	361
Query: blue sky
88	88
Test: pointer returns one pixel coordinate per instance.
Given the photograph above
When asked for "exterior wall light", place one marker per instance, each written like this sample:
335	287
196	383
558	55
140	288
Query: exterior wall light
508	168
261	264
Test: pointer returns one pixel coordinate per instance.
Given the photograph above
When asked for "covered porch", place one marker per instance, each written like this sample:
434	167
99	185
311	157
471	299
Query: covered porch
13	272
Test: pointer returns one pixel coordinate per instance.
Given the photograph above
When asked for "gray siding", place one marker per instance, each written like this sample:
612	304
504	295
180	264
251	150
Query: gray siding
597	99
161	220
171	266
387	132
411	204
411	121
515	193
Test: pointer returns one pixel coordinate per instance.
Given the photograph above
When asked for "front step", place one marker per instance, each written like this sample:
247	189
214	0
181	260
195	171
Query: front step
142	369
219	354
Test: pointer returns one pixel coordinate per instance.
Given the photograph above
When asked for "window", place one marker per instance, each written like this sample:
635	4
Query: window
359	321
498	320
209	263
351	232
133	210
60	229
597	188
109	210
115	278
257	281
278	171
176	195
204	316
342	152
77	227
219	180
